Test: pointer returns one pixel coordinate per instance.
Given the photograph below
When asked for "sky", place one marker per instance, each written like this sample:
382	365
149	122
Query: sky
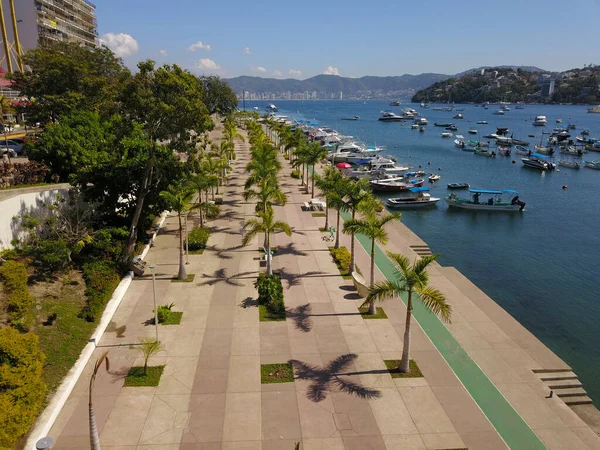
301	39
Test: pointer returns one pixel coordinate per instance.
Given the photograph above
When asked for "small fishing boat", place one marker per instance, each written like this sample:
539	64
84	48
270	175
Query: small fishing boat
595	109
520	150
482	152
499	112
585	132
571	126
544	150
434	177
395	103
422	129
414	126
538	161
446	134
458	116
495	203
503	140
351	118
443	125
396	184
569	164
482	122
459	141
458	185
501	131
451	128
472	131
420	198
415	173
478	143
421	121
559	120
592	164
272	108
504	151
572	151
531	135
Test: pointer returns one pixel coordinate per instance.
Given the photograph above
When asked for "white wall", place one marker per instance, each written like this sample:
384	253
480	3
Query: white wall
21	204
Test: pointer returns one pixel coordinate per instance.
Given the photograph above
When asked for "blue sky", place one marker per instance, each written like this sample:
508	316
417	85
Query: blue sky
301	39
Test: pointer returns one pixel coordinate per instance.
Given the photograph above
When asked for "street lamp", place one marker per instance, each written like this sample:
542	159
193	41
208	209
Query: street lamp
152	267
187	241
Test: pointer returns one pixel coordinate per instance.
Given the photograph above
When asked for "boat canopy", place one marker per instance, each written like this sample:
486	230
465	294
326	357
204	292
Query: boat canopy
509	191
486	191
363	161
539	155
418	189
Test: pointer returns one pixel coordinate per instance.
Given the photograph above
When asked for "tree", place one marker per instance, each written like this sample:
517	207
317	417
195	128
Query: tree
327	184
314	154
149	347
202	183
218	96
371	226
94	437
357	191
410	279
267	225
180	199
300	160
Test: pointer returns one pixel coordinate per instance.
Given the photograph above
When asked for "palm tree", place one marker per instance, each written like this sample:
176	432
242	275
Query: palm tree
314	154
212	166
94	437
180	200
269	192
408	279
327	184
267	225
149	347
264	165
356	194
300	158
371	226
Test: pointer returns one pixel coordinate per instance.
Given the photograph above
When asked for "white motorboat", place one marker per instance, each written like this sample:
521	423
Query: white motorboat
272	108
352	153
482	122
419	198
414	126
458	116
544	150
395	184
538	161
499	112
569	164
421	121
472	131
446	134
434	177
495	203
540	121
388	116
592	164
595	109
395	103
570	150
459	141
559	120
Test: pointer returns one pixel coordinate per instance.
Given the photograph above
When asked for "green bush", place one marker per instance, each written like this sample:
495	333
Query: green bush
270	292
101	279
22	391
215	211
163	312
14	276
295	174
19	301
107	244
9	253
51	254
198	238
342	258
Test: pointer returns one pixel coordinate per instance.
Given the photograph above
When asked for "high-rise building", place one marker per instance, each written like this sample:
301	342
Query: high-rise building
44	21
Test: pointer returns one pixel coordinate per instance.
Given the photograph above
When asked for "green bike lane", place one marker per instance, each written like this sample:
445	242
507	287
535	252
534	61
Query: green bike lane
505	419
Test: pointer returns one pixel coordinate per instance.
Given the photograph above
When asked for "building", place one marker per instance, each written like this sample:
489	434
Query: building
45	21
547	82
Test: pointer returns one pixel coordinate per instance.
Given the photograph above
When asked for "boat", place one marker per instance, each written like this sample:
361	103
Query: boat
571	126
539	121
414	126
592	164
569	164
516	141
451	128
501	131
531	135
520	150
351	118
494	203
519	107
458	116
482	122
352	152
559	120
585	132
272	108
570	150
396	184
503	140
544	150
255	108
434	177
443	125
504	151
421	121
420	198
459	141
595	109
415	173
388	116
499	112
538	161
482	152
395	103
446	134
458	185
422	129
472	131
478	144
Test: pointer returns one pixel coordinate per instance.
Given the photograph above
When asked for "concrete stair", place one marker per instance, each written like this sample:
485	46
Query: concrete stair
421	250
565	384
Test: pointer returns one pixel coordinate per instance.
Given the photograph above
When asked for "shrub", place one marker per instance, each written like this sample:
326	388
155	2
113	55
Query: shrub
14	275
198	238
163	312
19	301
9	253
107	244
101	279
22	391
24	173
295	174
51	254
342	258
214	212
270	292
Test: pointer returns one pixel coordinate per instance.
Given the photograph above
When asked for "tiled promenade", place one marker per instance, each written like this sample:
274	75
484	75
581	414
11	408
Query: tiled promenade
210	396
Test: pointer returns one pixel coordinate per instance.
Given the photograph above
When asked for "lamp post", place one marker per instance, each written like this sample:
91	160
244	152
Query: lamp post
187	242
152	267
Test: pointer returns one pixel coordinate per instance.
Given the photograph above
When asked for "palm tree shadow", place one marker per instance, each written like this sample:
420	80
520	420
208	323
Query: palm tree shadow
328	377
301	317
219	252
248	302
220	276
293	279
290	249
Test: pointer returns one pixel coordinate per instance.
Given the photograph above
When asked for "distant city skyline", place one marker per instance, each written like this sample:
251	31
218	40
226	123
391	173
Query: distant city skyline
353	39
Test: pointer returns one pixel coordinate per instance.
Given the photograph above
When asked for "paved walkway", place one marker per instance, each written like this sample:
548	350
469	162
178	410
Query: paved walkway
210	396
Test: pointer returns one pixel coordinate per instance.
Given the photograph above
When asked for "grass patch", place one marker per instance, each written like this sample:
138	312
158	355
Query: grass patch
380	314
136	376
276	373
196	252
174	318
189	278
265	315
318	214
413	371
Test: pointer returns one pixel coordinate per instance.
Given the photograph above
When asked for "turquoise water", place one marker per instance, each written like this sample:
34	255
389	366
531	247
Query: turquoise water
540	265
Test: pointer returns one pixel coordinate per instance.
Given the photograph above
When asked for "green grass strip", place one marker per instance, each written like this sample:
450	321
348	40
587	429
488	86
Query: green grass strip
380	314
276	373
136	376
264	315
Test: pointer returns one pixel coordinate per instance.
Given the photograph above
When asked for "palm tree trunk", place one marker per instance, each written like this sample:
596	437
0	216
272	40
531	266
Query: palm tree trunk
405	362
326	214
312	195
182	275
351	269
269	262
337	231
372	308
94	438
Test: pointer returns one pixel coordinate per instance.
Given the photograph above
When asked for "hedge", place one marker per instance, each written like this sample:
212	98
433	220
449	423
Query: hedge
101	279
22	391
270	292
19	300
198	237
342	258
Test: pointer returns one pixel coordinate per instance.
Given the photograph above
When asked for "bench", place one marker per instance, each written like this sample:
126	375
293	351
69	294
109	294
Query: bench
307	206
360	284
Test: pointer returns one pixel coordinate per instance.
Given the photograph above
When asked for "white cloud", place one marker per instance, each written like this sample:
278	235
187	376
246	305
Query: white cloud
246	51
331	71
163	52
258	69
121	44
277	73
199	46
208	64
295	73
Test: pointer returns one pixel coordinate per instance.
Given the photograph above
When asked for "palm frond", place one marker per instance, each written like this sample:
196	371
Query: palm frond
383	290
435	302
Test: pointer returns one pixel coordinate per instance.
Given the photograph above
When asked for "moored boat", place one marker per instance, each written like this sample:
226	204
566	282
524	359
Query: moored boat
538	161
592	164
482	122
569	164
446	134
482	152
499	112
595	109
388	116
504	151
459	141
395	103
494	203
458	185
351	118
272	108
520	150
443	125
420	198
472	131
396	184
539	121
434	177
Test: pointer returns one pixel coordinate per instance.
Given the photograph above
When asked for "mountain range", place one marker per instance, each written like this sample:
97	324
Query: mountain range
328	86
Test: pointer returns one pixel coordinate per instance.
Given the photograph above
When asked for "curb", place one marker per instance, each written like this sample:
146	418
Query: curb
47	418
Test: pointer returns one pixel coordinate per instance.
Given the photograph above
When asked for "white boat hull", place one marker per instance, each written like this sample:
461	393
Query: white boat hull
413	204
463	204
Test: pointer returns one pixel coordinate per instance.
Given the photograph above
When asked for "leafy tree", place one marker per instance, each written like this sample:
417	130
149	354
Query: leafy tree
410	279
218	96
371	226
268	225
